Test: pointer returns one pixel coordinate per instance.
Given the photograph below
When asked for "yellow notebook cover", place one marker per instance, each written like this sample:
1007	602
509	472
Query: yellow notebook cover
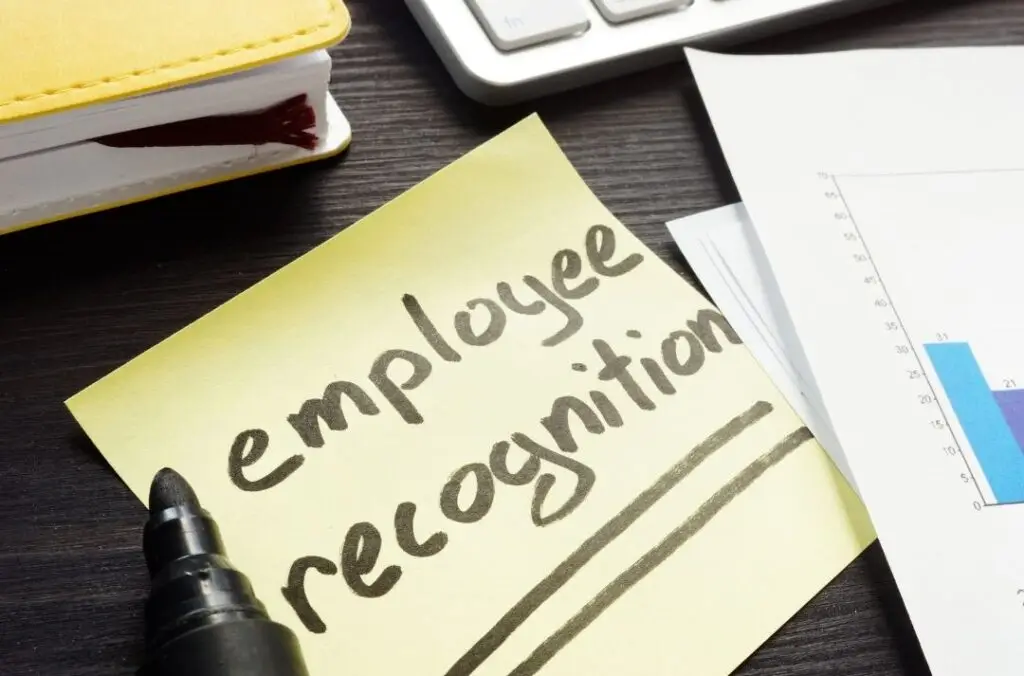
63	54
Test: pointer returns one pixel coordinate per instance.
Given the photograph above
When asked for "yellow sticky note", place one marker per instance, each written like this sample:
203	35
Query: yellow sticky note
486	431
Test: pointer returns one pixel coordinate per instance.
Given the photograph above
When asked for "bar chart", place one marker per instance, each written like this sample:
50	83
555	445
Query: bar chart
917	353
991	419
937	260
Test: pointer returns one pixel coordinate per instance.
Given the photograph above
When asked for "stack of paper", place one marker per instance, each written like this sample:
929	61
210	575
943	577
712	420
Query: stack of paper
717	246
873	270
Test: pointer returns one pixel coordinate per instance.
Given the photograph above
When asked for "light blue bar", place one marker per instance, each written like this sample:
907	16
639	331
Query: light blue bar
991	439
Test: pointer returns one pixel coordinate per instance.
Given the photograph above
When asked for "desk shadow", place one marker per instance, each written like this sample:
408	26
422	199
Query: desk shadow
713	154
681	265
909	653
102	251
126	647
84	445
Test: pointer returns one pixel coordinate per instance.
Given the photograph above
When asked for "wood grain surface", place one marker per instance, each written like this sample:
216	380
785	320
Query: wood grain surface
79	298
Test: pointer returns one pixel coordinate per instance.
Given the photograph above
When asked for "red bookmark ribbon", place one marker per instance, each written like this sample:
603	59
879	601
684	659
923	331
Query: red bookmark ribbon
288	122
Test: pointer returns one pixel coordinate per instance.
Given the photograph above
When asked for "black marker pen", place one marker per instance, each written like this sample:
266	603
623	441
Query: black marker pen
202	616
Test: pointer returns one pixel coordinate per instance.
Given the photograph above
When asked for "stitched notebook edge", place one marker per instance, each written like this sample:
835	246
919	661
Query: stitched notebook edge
333	27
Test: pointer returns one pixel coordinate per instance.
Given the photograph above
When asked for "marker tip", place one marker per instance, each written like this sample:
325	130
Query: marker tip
169	489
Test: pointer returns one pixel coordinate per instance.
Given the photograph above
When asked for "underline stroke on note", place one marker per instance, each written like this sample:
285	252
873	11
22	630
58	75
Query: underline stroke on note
604	536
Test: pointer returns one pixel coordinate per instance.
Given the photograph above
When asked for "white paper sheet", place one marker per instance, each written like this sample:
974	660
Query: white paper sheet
717	246
885	189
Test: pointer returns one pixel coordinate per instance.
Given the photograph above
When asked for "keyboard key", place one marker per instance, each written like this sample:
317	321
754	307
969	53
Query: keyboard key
514	24
619	11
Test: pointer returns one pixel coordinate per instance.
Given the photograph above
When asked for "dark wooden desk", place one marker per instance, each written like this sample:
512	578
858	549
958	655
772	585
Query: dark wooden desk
79	298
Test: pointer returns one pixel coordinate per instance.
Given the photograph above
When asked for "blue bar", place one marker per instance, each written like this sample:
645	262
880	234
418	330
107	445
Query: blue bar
991	439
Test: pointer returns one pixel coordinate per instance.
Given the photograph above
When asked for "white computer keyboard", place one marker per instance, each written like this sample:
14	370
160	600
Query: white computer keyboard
504	51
